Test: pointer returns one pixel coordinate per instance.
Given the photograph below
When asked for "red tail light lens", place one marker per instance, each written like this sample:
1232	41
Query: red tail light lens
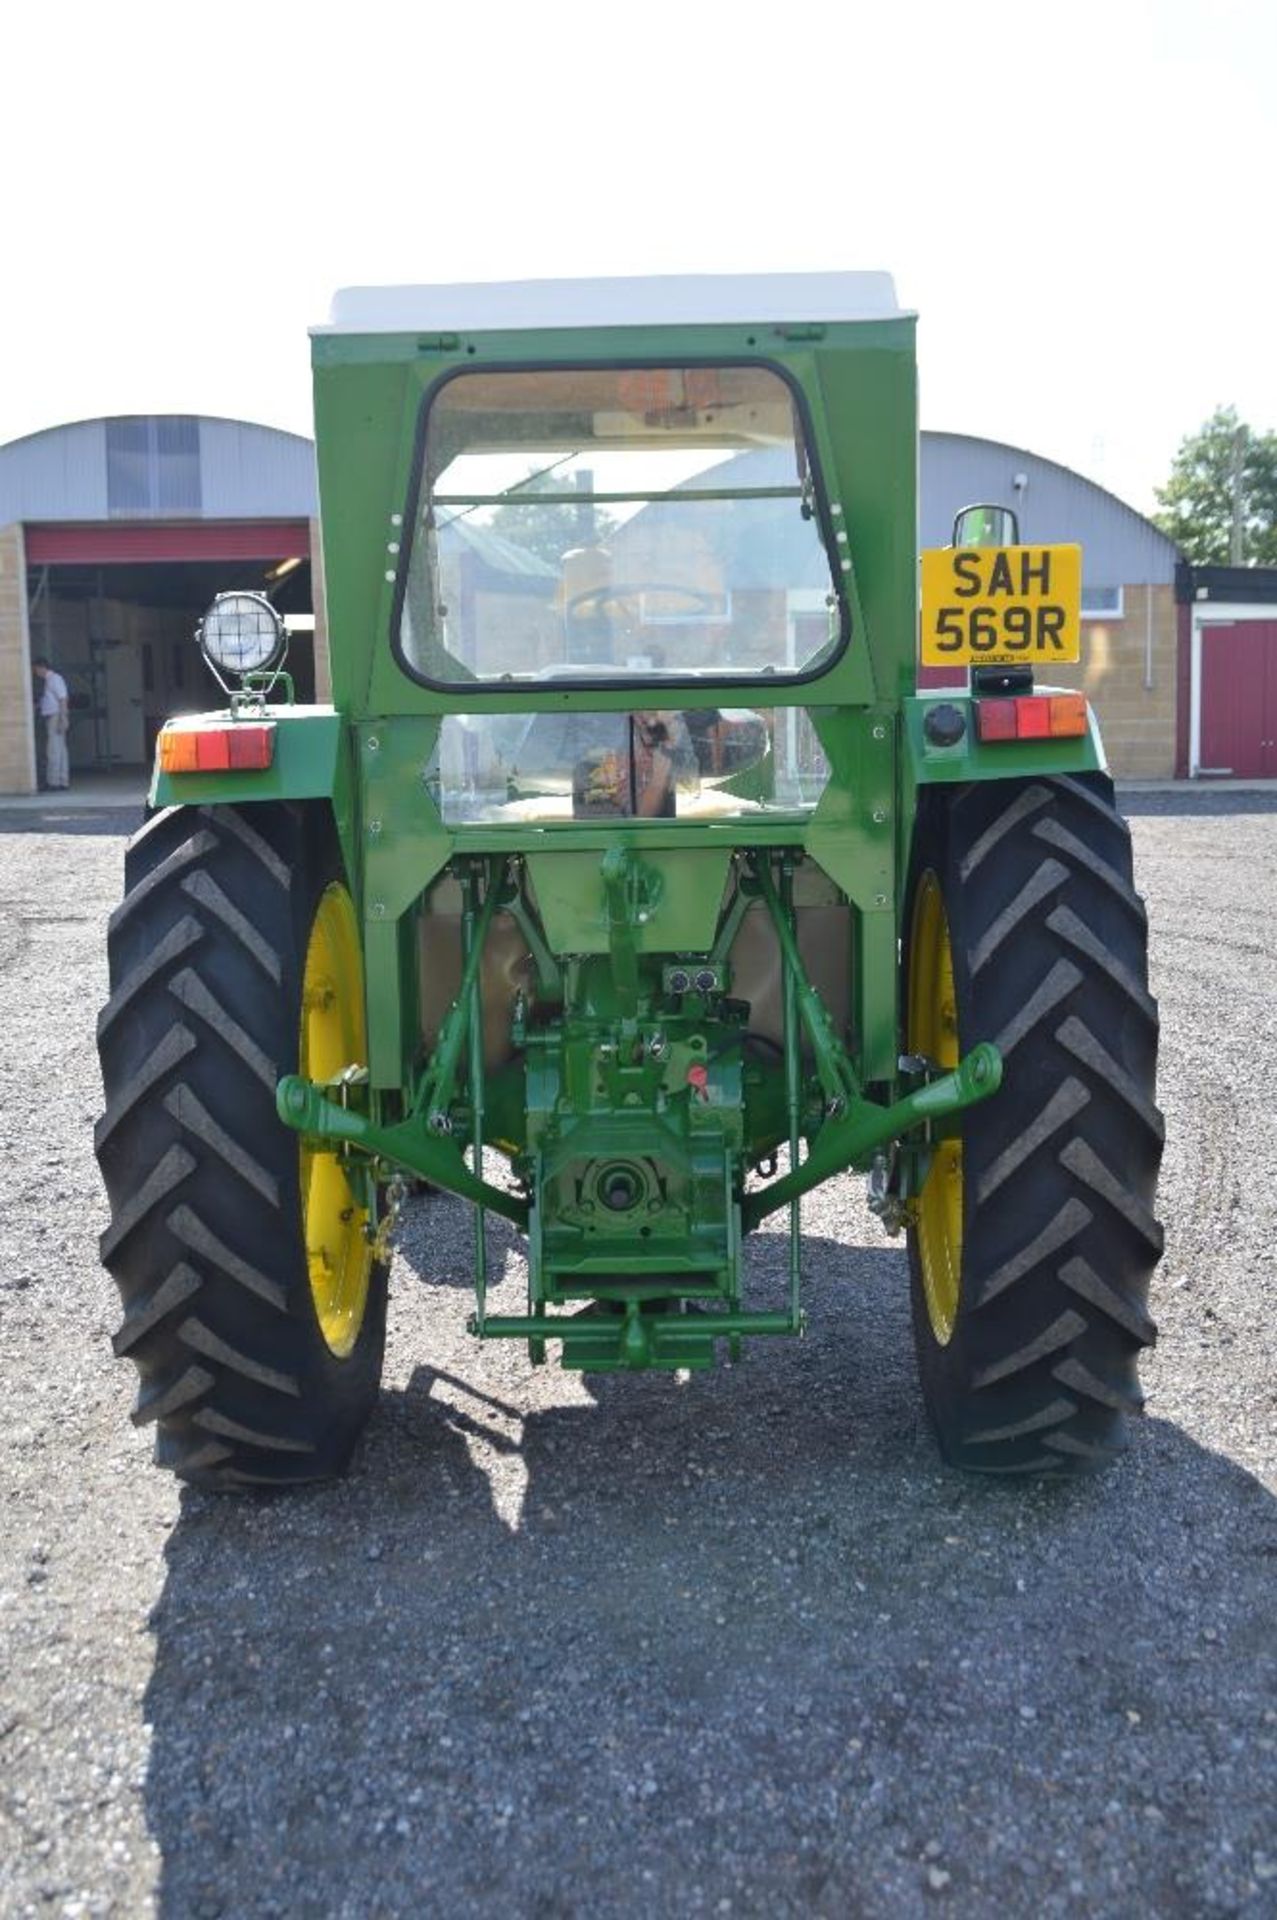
995	719
251	746
1033	719
1032	716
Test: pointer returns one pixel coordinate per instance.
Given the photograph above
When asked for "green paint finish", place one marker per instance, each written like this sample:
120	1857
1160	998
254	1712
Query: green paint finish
856	835
404	842
312	761
312	1111
671	896
603	1338
311	745
848	1139
368	398
643	1010
927	765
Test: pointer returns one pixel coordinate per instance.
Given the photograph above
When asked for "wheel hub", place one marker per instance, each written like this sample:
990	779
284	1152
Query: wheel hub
933	1032
339	1255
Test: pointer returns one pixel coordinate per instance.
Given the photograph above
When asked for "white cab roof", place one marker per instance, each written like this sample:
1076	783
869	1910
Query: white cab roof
670	299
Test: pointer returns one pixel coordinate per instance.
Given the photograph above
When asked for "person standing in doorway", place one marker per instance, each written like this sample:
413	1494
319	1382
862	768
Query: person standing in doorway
54	713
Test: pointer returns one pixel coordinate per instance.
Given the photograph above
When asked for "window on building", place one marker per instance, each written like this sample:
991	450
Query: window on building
1101	603
153	465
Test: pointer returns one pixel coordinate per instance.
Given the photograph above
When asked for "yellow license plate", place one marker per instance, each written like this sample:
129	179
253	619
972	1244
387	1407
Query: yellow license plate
1001	606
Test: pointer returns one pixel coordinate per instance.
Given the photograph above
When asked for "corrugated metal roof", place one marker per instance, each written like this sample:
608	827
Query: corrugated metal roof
59	474
245	472
1119	546
249	470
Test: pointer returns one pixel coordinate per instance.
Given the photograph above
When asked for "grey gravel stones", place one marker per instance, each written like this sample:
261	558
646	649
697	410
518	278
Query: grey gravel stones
733	1645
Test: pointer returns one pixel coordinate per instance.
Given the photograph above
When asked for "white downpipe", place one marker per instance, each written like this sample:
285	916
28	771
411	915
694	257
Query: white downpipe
1195	699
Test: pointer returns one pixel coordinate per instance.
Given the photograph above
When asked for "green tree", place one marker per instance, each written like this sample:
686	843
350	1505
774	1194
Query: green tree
1223	465
550	528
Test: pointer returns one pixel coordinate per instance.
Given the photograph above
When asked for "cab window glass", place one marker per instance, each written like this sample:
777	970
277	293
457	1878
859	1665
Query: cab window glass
613	523
705	763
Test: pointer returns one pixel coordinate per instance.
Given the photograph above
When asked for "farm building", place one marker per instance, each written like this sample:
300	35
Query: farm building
116	533
114	537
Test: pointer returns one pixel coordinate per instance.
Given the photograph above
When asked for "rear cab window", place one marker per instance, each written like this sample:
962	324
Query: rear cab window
600	524
610	527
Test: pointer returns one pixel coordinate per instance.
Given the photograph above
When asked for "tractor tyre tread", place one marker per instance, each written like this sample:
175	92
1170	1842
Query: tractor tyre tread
1049	940
205	1241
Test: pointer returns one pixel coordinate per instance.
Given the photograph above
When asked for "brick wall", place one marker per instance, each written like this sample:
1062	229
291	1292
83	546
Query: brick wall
1138	722
17	730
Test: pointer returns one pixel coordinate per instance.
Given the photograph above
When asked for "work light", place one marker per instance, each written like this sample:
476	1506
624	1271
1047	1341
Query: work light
241	633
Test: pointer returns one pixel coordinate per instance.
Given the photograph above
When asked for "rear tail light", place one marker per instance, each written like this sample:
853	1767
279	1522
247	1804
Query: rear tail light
1035	716
226	749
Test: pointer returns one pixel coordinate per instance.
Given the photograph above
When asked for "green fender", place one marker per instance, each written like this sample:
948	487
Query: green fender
312	761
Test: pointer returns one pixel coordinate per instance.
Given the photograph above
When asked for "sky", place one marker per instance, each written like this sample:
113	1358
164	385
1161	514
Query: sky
1077	199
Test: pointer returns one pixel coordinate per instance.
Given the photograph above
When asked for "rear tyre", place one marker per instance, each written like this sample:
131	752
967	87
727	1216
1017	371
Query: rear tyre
1033	1240
253	1308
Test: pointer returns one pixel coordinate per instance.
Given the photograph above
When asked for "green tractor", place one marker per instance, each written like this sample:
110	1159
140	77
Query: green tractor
630	887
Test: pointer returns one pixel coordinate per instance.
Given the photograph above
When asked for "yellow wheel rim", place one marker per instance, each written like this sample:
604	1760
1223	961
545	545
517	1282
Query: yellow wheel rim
933	1031
333	1036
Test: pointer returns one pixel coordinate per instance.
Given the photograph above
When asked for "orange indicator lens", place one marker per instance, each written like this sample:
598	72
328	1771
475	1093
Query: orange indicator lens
1068	714
177	752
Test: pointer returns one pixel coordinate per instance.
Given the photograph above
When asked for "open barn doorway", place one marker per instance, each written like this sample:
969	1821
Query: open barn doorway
122	634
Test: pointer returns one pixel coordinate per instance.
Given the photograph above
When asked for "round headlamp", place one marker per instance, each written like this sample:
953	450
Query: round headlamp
242	633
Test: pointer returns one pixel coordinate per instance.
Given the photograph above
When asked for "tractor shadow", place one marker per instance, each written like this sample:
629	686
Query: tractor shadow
434	1239
650	1644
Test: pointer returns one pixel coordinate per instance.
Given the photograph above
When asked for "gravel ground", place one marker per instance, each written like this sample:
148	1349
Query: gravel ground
737	1646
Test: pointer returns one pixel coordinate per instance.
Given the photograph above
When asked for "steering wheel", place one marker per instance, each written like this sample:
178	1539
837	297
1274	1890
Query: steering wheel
596	602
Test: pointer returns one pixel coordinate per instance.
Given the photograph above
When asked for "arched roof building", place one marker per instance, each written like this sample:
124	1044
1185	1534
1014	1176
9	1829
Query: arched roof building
115	533
114	536
1118	544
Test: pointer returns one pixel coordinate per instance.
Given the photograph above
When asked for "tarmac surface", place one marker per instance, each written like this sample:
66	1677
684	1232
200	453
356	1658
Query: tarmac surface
733	1645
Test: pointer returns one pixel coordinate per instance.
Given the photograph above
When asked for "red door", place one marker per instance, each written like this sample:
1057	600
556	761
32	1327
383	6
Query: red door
1239	699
